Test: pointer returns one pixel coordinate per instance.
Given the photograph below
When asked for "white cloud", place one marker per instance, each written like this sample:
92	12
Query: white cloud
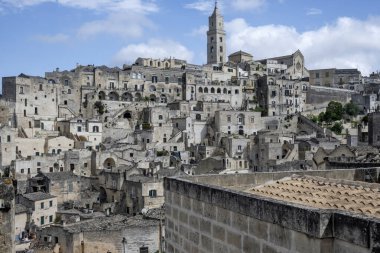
347	43
206	6
201	31
242	5
123	18
313	11
56	38
140	6
117	24
153	49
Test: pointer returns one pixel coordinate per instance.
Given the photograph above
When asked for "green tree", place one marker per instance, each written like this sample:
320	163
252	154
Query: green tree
321	117
351	109
337	128
100	107
334	112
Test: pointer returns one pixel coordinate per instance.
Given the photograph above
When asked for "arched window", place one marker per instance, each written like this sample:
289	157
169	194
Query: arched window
205	90
200	90
218	91
212	90
95	129
212	49
225	90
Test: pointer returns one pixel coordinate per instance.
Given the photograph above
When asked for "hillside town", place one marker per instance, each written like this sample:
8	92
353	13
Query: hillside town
162	155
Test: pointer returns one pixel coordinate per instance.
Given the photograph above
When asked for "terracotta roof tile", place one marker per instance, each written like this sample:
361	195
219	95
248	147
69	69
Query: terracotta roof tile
355	197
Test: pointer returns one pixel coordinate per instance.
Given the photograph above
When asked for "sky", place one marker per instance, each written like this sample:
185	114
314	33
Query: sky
41	35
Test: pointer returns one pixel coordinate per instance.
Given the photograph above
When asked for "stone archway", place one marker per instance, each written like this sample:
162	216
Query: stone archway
109	163
127	97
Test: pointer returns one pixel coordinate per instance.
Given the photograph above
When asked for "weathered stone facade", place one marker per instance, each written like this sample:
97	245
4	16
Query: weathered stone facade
204	214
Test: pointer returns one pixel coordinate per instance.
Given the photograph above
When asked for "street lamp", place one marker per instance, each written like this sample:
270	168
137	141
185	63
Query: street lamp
124	241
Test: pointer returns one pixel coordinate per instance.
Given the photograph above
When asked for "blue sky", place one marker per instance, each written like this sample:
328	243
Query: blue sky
40	35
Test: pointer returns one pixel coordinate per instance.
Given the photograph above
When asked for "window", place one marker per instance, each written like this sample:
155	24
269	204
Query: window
221	39
212	49
35	110
42	205
239	148
21	90
41	87
79	129
327	74
66	82
50	218
26	102
144	250
22	171
221	49
153	193
130	154
160	117
42	220
212	39
85	165
69	91
51	203
228	118
8	138
179	81
154	79
252	120
51	169
95	129
316	75
166	80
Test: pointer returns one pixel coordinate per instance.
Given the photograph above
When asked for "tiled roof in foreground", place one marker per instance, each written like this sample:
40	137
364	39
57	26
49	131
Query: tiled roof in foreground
350	196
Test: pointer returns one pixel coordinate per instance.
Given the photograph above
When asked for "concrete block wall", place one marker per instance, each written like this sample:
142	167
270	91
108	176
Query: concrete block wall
204	218
195	226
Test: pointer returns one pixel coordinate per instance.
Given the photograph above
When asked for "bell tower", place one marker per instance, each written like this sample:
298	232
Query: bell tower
216	38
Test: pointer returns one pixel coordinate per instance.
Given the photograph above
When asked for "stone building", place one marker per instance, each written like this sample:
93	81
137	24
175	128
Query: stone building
216	38
273	212
31	95
239	57
143	193
117	234
269	149
349	79
282	91
43	207
7	216
374	129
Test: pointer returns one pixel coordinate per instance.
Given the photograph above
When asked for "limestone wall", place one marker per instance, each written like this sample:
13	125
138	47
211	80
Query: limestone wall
204	218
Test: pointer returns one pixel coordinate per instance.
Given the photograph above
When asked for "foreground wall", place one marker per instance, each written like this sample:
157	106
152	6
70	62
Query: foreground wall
205	218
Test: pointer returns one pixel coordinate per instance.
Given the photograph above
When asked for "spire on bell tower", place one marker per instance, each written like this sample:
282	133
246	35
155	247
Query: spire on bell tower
216	38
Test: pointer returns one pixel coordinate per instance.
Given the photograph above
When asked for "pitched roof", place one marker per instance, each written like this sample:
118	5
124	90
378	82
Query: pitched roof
240	53
37	196
349	196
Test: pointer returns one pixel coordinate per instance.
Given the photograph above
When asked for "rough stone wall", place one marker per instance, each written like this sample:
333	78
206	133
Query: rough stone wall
374	129
204	218
7	217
